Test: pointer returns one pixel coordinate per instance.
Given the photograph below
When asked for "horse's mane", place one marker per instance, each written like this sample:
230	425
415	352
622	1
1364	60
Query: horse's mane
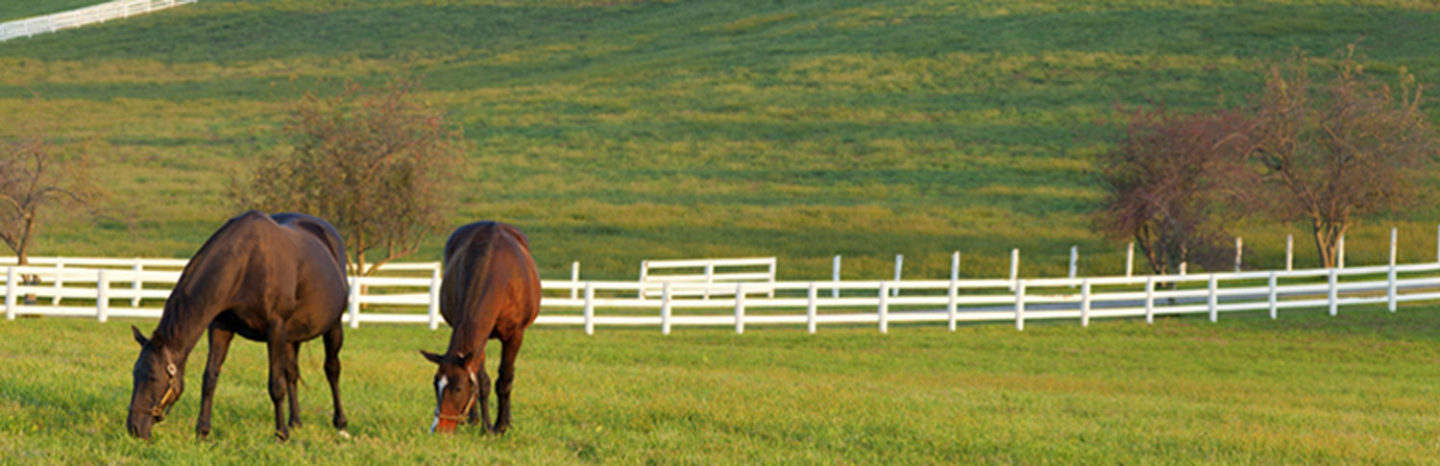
171	321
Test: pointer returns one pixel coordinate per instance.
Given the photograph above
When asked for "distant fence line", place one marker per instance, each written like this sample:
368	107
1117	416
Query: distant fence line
588	304
83	16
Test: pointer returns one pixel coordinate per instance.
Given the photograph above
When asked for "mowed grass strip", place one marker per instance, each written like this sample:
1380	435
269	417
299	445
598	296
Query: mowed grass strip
1307	388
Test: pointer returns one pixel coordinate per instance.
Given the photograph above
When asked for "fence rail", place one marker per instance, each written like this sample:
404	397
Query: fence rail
591	304
83	16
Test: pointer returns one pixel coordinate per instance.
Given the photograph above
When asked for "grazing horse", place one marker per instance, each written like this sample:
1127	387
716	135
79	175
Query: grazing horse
278	279
491	290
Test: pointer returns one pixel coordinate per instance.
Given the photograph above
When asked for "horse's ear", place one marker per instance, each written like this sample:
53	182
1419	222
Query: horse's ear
138	337
435	358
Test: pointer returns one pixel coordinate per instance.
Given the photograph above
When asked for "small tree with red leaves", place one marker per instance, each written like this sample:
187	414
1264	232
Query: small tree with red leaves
1171	181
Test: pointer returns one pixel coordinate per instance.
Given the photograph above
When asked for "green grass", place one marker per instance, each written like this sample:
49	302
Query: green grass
1308	388
613	132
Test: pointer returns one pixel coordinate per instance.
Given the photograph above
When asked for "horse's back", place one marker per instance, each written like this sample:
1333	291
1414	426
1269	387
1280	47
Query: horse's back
488	269
262	268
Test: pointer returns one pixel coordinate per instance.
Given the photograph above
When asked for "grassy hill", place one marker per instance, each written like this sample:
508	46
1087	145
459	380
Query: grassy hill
613	132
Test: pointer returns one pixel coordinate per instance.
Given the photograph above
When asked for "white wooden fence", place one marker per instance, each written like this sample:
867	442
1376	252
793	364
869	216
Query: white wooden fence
83	16
92	292
744	271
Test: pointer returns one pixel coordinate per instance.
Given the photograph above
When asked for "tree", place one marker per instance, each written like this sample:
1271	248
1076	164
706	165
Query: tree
1341	149
36	176
1170	182
379	164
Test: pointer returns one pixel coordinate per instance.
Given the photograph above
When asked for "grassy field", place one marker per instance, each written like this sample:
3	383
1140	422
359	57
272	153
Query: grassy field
1308	388
619	131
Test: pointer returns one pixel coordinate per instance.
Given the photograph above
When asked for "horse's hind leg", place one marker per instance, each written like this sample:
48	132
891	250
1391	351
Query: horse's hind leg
506	380
219	347
292	377
334	339
280	359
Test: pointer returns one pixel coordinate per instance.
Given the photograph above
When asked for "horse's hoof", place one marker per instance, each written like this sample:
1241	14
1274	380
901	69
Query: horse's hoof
344	434
281	436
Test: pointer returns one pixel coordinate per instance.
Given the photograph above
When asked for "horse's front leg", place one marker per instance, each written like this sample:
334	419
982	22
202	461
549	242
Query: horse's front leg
219	347
280	356
506	381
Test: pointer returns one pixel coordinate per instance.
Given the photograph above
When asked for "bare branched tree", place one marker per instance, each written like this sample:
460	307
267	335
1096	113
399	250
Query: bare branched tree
35	176
1341	149
1171	182
379	164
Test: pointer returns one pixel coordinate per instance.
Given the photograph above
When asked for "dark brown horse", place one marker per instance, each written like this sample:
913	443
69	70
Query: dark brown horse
280	280
491	290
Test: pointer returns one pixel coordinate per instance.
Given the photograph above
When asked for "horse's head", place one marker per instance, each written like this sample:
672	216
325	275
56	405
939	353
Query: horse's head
456	390
158	384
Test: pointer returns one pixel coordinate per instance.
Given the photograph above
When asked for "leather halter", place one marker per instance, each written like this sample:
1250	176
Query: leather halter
464	413
158	410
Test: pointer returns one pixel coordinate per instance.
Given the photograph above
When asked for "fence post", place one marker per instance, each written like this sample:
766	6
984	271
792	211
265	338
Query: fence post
59	280
1130	259
883	311
899	262
434	298
1239	252
955	266
1183	266
1334	291
1214	299
1340	253
355	302
102	295
709	276
1289	252
1085	302
1274	313
665	308
1074	260
951	294
137	284
10	293
644	268
574	279
1150	299
835	274
1391	289
589	311
772	278
810	309
740	307
1014	266
1020	305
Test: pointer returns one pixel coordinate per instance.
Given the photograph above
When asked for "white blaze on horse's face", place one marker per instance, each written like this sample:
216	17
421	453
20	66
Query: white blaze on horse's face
439	395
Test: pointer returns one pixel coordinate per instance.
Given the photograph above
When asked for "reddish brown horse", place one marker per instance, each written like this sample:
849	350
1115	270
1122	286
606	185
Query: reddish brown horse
491	290
280	280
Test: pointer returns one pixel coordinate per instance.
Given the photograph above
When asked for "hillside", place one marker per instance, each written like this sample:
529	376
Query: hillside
618	131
